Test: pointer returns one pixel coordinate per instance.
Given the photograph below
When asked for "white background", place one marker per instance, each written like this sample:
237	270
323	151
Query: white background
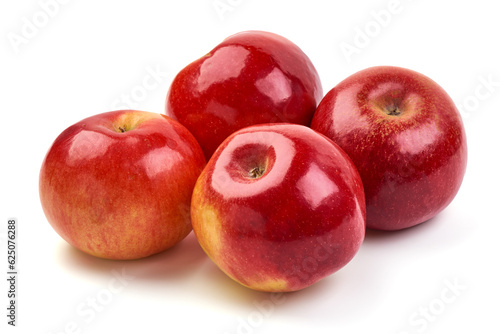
85	56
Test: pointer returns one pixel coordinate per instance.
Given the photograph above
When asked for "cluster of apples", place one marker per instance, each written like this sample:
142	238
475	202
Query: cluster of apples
278	182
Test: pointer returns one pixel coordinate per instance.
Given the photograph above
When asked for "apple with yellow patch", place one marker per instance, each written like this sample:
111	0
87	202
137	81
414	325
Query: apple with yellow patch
118	185
279	207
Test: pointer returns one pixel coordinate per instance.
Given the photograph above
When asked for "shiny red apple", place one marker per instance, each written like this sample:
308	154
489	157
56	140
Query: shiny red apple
279	207
405	136
252	77
118	185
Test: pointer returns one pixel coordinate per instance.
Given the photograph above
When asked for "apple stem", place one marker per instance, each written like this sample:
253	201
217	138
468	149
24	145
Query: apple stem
393	111
122	129
256	172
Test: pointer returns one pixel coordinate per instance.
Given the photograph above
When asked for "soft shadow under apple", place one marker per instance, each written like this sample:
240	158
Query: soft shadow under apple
175	263
441	232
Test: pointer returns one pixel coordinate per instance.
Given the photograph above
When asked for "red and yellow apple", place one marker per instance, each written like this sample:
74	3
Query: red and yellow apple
406	138
279	207
252	77
118	185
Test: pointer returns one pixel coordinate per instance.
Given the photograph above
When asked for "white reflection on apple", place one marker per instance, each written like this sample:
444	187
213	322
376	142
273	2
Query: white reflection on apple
316	186
225	113
229	186
87	145
276	86
224	64
346	120
159	160
415	140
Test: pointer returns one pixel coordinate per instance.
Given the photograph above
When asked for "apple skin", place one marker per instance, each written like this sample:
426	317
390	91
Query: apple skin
121	195
405	136
252	77
279	207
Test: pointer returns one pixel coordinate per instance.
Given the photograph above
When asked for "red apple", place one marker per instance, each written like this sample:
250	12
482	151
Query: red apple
118	185
406	138
279	207
252	77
